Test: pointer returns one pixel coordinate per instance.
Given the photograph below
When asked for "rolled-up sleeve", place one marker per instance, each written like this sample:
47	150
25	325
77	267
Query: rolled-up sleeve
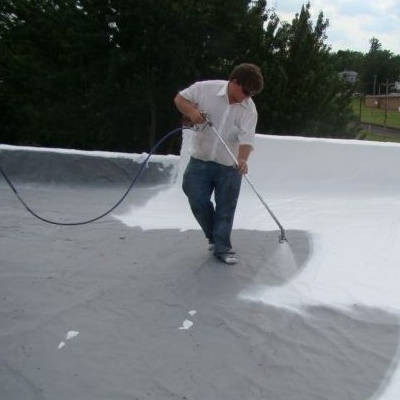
248	128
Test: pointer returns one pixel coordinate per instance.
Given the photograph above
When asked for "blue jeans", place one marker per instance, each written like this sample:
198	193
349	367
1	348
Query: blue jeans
200	180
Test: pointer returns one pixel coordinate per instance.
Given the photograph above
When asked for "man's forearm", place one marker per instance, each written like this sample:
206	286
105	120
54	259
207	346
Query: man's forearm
188	109
244	151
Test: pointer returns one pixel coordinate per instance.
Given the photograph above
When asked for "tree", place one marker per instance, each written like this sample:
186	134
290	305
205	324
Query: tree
164	46
348	60
54	62
102	74
305	95
379	66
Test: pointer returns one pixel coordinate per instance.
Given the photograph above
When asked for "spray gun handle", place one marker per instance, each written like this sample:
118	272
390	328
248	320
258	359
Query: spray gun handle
187	122
206	118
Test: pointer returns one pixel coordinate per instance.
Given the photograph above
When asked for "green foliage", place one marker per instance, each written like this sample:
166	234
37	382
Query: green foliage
379	65
304	94
374	68
52	70
101	74
347	60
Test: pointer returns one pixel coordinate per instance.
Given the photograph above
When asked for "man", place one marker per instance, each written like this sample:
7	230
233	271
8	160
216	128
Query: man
211	169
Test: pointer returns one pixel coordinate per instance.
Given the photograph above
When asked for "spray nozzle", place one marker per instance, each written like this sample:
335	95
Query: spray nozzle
206	117
282	237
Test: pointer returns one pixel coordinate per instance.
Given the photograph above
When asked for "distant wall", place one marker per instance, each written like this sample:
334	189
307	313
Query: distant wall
293	163
379	101
277	163
329	164
64	167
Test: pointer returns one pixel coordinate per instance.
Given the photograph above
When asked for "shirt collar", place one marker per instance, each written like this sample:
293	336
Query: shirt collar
224	92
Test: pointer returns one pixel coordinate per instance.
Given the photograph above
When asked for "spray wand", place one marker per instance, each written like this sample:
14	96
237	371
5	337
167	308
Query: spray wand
282	237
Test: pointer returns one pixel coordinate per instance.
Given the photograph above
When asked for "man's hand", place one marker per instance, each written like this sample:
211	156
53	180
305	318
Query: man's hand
242	166
196	116
242	157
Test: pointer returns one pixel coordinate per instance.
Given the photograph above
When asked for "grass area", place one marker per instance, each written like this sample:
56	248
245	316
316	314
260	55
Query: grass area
376	115
378	137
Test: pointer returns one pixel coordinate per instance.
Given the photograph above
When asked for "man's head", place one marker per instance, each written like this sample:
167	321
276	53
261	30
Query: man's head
249	77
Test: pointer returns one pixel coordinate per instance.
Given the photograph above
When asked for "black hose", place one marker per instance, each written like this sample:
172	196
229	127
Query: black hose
10	184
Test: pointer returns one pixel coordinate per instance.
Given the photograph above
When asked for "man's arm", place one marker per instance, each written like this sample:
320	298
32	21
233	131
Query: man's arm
244	152
188	109
243	156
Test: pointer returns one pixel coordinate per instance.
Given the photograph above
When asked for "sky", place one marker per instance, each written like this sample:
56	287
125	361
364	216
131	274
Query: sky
352	23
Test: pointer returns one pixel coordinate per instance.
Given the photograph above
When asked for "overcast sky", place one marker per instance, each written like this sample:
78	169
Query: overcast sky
351	23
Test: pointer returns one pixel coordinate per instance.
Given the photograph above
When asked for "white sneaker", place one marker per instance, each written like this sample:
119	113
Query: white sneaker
230	257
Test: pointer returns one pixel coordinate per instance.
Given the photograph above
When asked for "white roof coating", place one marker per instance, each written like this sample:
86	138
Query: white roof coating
133	306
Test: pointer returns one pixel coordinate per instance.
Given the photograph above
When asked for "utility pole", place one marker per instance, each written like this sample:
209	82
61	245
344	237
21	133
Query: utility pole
386	105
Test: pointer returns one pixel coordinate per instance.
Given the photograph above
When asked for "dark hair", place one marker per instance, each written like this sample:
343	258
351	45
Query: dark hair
249	76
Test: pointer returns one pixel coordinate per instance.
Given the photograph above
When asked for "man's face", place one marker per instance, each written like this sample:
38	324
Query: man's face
237	92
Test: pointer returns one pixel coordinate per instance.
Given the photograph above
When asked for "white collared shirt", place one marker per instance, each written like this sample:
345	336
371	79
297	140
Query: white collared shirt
236	123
